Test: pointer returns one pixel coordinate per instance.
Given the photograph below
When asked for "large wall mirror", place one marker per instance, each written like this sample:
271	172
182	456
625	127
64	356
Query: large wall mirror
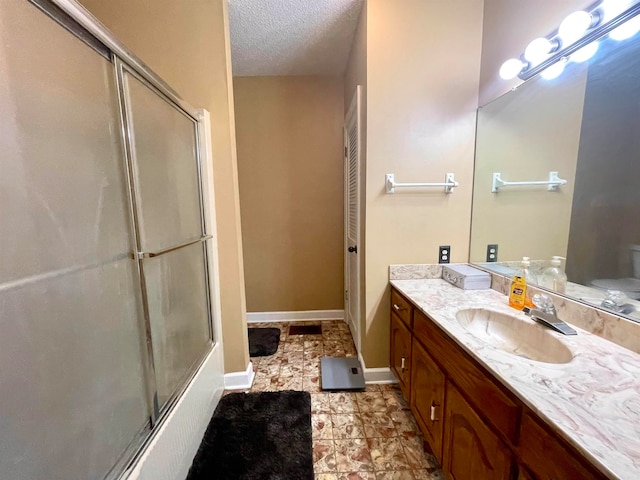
584	125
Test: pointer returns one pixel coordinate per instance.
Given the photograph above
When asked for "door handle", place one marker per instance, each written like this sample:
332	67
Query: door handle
402	367
353	249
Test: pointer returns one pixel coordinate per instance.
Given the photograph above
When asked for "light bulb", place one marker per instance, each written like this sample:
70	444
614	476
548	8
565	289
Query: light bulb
511	68
554	70
613	8
626	30
574	27
538	50
585	53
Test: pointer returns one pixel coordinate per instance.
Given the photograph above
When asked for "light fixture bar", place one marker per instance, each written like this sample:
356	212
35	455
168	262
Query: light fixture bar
594	34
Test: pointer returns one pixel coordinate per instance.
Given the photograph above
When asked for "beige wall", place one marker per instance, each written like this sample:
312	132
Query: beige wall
187	44
524	135
356	74
509	26
290	163
423	66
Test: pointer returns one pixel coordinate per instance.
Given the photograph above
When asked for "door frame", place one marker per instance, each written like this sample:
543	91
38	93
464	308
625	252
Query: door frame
353	115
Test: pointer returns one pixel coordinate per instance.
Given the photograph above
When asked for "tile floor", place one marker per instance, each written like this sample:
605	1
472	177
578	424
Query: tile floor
364	435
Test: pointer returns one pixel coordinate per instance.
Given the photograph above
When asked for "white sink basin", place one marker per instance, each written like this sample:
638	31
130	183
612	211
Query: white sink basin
514	335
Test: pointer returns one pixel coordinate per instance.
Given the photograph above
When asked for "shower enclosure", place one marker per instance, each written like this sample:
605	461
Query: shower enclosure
105	311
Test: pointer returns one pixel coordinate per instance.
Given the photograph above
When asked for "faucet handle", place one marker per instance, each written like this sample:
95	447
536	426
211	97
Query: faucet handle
544	303
613	300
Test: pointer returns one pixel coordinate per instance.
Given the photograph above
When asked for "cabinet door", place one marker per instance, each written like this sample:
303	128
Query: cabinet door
401	354
471	450
427	397
547	457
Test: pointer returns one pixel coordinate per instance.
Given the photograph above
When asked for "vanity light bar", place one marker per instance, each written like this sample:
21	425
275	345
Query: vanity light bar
560	49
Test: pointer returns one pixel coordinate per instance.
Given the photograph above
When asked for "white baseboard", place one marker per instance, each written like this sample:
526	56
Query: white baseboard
376	375
239	380
301	316
379	375
172	448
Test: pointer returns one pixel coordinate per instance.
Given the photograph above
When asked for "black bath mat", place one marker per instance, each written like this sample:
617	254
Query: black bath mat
263	341
305	330
257	436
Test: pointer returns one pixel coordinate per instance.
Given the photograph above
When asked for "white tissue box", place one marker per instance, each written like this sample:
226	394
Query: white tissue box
466	277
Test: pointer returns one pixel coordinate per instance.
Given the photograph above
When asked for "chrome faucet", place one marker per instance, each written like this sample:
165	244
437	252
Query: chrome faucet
545	313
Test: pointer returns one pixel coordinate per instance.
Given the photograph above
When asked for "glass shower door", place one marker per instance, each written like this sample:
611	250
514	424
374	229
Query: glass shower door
164	168
72	355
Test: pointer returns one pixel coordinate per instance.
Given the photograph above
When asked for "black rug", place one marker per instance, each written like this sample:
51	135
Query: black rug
257	436
263	341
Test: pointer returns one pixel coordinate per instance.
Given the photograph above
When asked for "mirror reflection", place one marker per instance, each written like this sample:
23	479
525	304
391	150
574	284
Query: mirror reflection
585	126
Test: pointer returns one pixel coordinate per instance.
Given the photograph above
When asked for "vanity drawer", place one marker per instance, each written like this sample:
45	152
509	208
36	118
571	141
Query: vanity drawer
547	457
501	411
401	307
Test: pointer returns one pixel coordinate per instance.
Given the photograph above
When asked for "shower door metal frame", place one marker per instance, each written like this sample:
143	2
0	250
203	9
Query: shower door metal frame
158	412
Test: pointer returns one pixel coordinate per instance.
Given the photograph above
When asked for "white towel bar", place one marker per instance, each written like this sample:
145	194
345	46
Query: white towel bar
552	184
449	183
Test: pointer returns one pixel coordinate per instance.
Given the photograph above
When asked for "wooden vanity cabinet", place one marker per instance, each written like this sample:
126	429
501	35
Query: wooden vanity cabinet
427	397
471	449
474	425
400	353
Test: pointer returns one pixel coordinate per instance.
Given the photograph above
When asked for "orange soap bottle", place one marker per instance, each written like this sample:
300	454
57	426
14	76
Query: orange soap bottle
518	292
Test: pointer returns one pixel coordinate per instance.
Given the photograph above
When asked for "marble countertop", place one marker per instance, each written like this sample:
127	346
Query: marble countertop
593	401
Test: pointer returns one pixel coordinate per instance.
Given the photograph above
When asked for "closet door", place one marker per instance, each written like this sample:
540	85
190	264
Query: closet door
72	349
164	167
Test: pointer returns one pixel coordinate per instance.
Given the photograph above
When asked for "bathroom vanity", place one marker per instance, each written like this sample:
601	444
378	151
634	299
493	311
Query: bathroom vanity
499	396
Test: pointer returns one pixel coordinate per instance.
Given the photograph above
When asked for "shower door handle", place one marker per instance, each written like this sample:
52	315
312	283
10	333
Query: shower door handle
141	255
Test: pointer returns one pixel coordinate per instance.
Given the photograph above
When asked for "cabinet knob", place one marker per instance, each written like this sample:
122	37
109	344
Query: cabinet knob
402	364
397	307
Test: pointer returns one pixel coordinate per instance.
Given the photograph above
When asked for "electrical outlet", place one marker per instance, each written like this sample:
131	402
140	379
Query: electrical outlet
444	254
492	252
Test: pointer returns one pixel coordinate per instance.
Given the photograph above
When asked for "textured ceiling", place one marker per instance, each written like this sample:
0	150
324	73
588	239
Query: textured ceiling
291	37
